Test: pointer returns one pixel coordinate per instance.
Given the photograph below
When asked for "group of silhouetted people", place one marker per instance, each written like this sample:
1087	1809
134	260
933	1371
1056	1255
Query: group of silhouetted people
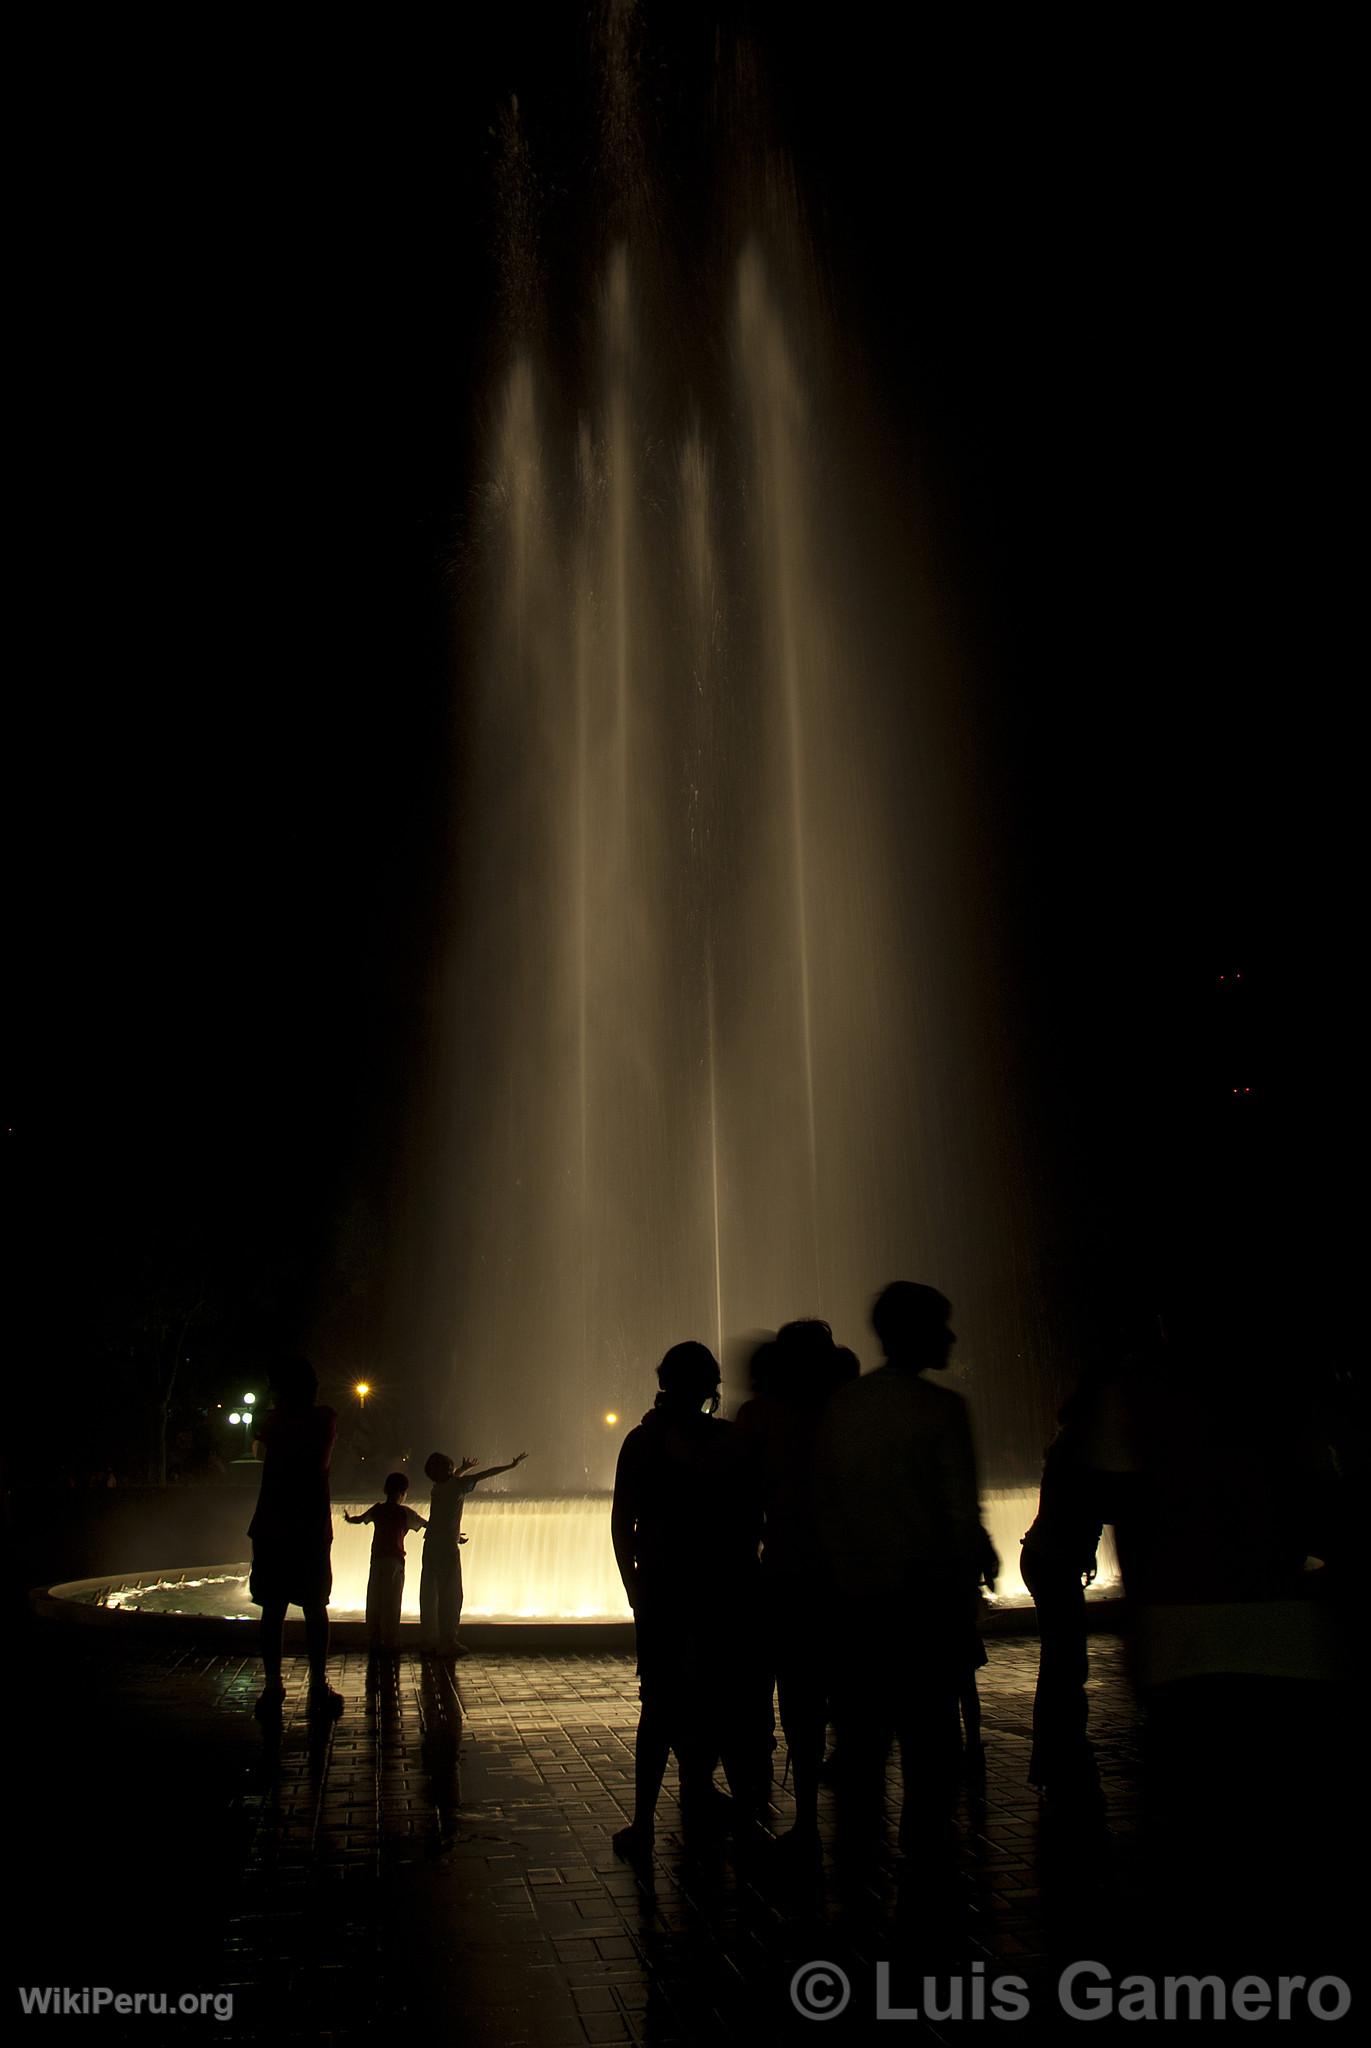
827	1547
292	1538
825	1552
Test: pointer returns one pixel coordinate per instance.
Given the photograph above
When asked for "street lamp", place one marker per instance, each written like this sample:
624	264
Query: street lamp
245	1416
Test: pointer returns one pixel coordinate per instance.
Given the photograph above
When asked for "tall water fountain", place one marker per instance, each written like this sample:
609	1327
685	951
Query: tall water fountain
723	1037
720	1036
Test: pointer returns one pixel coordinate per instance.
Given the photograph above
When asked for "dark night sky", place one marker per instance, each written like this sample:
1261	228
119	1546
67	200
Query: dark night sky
1100	271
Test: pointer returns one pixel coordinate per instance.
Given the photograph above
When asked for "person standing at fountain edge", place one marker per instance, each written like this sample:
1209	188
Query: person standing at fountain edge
904	1550
440	1578
686	1524
1058	1562
781	1431
391	1521
292	1530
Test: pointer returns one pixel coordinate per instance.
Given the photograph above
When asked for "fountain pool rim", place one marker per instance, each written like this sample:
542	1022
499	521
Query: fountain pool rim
86	1603
531	1550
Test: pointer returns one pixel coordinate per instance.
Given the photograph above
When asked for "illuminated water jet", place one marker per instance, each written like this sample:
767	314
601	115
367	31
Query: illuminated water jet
722	1038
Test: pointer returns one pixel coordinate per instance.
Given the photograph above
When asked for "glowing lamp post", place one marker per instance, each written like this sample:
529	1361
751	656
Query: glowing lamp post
361	1438
246	1417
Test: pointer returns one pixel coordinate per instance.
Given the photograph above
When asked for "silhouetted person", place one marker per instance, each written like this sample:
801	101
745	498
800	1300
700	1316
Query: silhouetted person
794	1377
904	1553
685	1539
1230	1494
440	1577
1058	1561
391	1521
847	1367
292	1529
968	1693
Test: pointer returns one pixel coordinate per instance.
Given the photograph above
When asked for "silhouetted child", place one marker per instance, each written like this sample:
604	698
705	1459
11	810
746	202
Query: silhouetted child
391	1521
440	1581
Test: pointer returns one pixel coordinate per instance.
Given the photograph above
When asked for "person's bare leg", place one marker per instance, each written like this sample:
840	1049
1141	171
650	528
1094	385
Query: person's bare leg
971	1724
651	1750
451	1610
316	1644
321	1693
428	1601
273	1641
805	1772
804	1705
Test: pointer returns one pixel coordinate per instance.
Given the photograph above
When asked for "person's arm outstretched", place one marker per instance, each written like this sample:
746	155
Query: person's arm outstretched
475	1478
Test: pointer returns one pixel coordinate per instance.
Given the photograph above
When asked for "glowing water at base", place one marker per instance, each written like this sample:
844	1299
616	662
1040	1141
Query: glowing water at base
552	1560
527	1560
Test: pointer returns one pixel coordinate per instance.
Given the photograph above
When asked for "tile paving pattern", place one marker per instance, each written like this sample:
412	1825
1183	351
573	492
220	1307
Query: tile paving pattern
439	1859
440	1856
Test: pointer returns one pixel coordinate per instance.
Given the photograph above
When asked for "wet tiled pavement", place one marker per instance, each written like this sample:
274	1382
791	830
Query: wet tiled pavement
440	1858
441	1855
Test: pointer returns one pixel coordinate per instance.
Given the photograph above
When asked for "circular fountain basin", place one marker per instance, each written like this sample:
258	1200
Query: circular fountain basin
536	1573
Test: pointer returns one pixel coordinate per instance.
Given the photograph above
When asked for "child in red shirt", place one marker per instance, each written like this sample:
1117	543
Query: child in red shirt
391	1521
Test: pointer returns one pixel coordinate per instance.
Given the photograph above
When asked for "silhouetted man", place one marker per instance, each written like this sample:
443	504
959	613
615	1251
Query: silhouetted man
904	1552
1058	1563
780	1428
685	1538
1228	1530
292	1530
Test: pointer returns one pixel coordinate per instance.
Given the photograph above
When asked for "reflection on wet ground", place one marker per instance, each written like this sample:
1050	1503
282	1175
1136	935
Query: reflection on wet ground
441	1855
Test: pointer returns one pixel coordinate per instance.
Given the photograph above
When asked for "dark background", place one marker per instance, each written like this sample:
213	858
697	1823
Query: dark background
1099	270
